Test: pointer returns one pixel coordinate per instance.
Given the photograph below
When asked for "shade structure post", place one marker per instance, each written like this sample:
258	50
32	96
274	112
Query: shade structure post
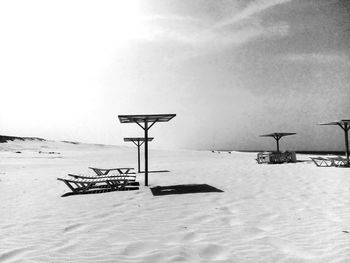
346	131
278	144
138	157
146	152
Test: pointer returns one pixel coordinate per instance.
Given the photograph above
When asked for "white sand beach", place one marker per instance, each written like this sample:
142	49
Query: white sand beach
266	213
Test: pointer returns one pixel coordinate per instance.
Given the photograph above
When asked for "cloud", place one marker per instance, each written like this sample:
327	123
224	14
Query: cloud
251	10
319	58
201	36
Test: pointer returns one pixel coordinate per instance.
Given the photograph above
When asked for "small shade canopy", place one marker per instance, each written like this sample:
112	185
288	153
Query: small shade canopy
146	118
137	139
277	136
345	125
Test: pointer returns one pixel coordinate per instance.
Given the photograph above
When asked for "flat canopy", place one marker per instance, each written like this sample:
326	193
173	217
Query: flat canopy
278	134
140	139
341	122
146	118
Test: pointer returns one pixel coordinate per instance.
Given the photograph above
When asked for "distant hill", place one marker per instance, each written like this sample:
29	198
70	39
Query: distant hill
4	138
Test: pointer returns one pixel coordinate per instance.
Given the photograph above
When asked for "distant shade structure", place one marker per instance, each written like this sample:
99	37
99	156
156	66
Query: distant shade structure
277	136
277	157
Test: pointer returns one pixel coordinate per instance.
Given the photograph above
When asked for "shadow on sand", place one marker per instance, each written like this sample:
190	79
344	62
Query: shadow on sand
159	171
183	189
104	189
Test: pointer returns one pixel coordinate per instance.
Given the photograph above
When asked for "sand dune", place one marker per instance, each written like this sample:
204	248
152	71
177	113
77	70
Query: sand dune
266	213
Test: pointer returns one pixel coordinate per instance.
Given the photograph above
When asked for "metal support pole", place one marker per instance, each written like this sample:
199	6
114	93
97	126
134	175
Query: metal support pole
138	157
278	144
146	152
346	130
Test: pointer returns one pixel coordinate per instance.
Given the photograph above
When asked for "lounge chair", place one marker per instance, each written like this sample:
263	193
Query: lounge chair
104	171
276	157
338	161
83	185
323	162
129	177
263	157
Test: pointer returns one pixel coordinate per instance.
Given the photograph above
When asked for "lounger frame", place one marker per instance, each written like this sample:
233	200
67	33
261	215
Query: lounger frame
83	185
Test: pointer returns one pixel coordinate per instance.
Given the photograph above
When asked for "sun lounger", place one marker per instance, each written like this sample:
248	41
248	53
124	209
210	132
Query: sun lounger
263	157
103	171
276	157
338	161
323	162
83	185
129	177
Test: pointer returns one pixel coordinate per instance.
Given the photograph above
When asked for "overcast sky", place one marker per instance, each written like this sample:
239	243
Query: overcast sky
229	69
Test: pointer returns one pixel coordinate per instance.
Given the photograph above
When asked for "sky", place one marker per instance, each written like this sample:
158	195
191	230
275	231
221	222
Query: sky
230	69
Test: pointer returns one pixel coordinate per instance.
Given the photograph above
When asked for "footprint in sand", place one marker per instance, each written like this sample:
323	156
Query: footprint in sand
138	248
102	215
230	221
189	237
200	219
212	252
333	217
289	248
72	227
118	205
13	254
253	233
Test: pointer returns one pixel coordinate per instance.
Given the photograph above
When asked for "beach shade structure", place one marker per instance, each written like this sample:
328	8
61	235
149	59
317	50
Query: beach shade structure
138	141
277	136
345	125
146	121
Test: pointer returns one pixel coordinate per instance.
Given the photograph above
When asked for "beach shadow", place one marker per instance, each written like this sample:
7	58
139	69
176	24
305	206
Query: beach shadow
183	189
159	171
105	189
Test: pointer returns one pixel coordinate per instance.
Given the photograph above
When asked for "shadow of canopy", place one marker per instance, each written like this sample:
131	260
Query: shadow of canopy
183	189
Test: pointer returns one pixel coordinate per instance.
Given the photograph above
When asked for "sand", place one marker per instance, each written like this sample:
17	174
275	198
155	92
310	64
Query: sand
266	213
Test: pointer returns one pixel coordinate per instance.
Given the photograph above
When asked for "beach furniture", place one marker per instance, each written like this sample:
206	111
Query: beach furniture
263	157
83	185
130	177
322	162
277	156
138	141
345	125
146	121
104	171
338	161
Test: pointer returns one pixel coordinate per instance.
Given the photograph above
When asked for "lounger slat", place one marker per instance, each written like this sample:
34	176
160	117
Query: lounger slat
81	185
